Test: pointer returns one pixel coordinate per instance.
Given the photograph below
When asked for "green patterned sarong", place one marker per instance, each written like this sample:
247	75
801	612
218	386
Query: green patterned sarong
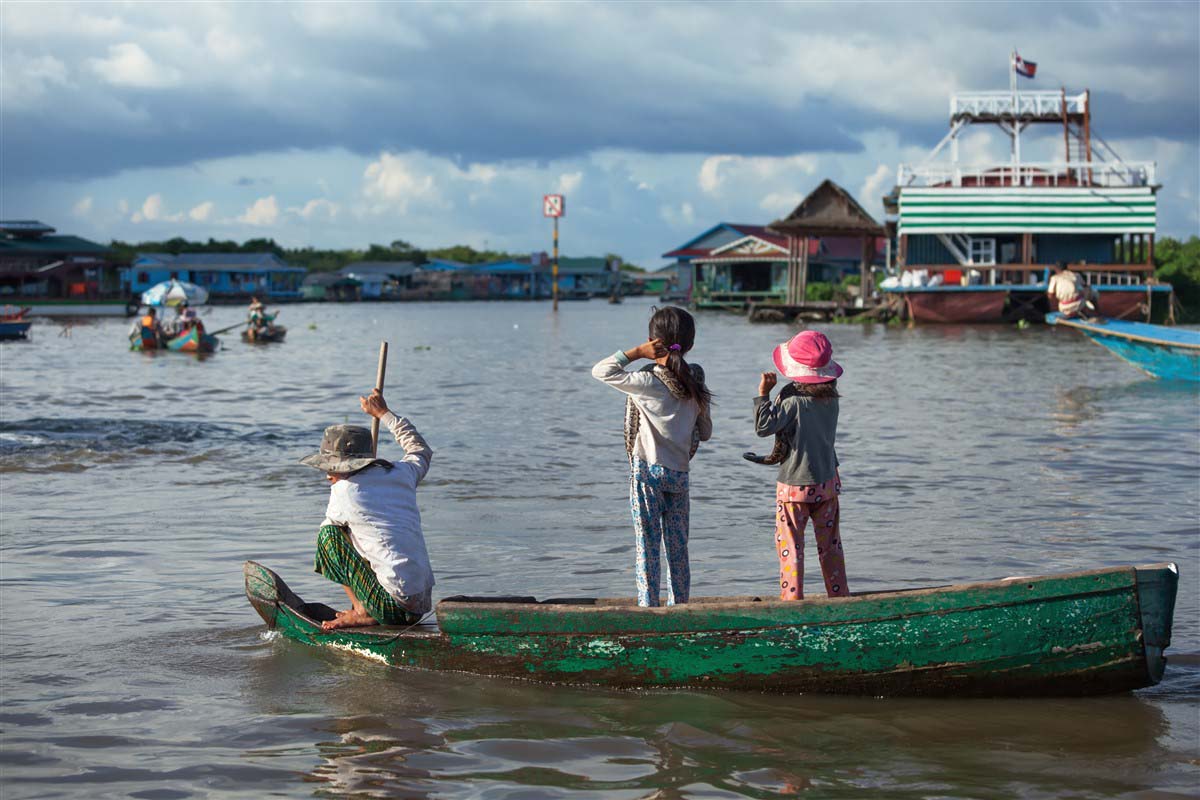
338	561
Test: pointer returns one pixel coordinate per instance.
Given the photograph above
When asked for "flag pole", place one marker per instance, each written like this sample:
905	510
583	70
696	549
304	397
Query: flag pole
1016	123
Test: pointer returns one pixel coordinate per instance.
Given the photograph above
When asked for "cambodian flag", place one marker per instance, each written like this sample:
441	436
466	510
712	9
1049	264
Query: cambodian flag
1023	67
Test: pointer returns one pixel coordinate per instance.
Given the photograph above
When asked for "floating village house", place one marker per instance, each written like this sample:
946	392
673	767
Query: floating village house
987	233
381	280
734	265
38	264
225	275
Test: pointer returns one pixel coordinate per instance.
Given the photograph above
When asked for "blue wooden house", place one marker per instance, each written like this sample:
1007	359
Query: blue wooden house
224	275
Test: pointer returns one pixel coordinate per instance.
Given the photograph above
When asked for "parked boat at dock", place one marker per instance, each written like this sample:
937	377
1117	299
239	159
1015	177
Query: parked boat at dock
13	322
1079	633
1163	352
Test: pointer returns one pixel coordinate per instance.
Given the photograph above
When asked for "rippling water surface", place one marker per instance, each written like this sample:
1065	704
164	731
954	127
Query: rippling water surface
132	486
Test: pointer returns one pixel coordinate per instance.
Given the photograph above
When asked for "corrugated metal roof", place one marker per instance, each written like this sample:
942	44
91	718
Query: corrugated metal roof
48	245
224	262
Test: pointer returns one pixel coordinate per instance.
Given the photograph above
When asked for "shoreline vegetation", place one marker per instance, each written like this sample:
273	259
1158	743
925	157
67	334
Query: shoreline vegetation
328	259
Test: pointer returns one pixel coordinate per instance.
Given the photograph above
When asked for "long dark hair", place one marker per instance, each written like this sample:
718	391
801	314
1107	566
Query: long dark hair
817	391
674	326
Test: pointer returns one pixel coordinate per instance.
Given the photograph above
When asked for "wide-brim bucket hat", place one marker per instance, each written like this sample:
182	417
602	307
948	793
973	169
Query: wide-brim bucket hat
344	449
807	358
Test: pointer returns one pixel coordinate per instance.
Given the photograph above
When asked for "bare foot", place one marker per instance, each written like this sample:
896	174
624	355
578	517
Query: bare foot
353	618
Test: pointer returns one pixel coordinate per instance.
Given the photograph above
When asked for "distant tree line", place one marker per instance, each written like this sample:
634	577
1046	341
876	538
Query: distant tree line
1178	263
321	260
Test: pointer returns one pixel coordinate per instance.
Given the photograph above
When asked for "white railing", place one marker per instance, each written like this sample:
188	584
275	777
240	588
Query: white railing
1028	104
1102	174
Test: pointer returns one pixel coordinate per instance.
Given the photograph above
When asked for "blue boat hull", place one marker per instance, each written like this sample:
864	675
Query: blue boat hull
1167	353
14	330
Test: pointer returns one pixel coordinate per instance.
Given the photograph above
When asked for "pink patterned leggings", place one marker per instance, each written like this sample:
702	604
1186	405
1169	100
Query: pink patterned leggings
794	506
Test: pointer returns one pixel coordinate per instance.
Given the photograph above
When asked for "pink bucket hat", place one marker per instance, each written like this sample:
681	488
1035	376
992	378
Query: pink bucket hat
807	358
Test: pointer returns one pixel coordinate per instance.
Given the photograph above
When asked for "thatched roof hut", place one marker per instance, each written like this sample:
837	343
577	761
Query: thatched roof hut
829	210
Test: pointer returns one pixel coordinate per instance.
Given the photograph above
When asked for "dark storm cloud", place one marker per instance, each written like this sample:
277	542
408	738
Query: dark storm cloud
545	81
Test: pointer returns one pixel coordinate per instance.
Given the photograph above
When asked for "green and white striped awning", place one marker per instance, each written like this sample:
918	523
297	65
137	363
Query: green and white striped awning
1027	210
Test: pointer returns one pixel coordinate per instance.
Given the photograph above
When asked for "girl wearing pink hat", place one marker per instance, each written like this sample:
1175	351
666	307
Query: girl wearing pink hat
803	420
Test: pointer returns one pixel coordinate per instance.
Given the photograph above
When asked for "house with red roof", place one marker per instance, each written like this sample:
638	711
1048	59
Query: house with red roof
731	265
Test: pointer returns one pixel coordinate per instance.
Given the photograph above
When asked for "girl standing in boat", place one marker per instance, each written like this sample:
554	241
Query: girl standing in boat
804	421
666	418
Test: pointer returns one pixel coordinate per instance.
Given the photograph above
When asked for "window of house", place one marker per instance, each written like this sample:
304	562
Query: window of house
983	251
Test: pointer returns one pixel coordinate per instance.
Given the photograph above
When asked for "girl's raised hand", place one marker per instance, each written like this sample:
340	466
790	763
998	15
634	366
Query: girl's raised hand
766	383
652	349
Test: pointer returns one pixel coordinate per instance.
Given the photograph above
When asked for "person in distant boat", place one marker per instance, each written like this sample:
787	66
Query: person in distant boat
804	418
148	329
188	319
1068	288
666	418
259	324
371	540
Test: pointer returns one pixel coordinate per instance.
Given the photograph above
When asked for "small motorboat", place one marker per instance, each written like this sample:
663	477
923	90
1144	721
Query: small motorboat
1163	352
1079	633
13	322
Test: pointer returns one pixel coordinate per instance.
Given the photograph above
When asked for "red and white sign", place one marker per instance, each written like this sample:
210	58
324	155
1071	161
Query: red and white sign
553	205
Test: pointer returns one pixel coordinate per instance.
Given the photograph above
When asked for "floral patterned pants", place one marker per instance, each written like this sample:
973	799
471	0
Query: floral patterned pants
794	507
658	498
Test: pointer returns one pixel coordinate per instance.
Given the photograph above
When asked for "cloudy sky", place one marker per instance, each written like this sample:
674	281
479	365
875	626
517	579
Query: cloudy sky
345	124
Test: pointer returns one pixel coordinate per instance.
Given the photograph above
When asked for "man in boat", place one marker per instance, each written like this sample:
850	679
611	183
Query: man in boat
1068	288
371	541
259	323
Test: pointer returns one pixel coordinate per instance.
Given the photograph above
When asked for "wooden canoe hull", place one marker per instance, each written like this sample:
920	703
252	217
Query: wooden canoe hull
1163	352
277	335
1076	634
191	342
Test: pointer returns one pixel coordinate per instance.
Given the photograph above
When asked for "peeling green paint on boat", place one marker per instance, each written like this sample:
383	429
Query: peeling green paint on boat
1079	633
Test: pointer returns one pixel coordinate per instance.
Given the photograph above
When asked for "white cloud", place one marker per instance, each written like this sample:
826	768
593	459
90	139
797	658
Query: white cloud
202	212
154	209
780	203
318	207
122	206
871	192
710	173
682	217
569	182
716	169
477	173
264	211
28	78
129	65
83	207
393	181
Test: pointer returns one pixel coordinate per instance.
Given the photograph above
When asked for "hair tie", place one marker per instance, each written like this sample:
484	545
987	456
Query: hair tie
675	347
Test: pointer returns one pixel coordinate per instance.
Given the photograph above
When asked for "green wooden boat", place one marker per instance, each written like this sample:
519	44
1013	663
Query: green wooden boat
1079	633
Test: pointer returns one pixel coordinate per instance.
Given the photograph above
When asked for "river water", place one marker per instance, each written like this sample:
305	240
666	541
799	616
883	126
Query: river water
133	486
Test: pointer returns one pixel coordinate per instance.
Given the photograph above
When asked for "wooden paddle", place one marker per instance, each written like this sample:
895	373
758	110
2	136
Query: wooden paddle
378	385
225	330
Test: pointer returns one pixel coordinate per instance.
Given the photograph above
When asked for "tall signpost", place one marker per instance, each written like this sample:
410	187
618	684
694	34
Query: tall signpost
554	205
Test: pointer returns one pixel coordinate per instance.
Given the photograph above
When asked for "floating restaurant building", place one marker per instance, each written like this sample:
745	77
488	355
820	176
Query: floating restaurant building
992	231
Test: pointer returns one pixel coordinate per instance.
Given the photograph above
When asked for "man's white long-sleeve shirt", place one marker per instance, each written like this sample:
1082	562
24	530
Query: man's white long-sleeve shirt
379	506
